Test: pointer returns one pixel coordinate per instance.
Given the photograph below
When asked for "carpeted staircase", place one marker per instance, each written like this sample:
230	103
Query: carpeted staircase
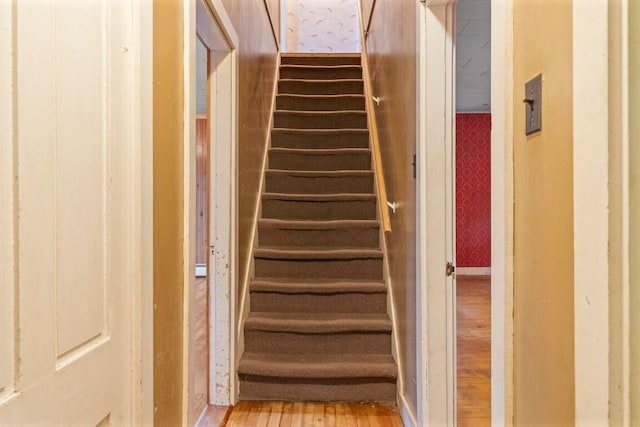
318	328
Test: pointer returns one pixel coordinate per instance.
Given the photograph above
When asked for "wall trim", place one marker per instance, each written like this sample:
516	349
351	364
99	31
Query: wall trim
188	201
222	17
502	214
407	413
8	193
223	228
591	234
366	25
601	212
142	13
274	30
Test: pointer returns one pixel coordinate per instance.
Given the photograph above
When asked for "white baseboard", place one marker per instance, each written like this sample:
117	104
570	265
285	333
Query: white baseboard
407	414
201	270
473	271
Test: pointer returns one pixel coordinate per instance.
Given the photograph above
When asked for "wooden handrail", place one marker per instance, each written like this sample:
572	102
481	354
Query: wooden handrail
373	129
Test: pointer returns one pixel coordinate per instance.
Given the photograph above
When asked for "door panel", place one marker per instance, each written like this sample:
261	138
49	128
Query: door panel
74	214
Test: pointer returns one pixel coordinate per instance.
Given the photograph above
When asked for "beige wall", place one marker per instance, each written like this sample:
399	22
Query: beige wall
168	196
257	61
634	214
392	53
543	188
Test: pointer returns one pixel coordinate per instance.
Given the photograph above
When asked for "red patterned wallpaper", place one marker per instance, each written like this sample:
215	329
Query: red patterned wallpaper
473	190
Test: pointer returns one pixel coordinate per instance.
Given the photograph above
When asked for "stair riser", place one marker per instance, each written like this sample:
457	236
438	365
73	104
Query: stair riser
320	121
339	390
330	343
297	184
321	73
295	103
307	140
320	60
370	269
348	302
320	88
339	237
319	162
304	210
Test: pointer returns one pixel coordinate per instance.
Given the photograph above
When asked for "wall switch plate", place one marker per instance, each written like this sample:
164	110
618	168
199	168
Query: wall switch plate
533	104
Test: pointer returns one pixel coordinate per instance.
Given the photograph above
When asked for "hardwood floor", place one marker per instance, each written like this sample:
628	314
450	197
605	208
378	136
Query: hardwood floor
309	414
474	350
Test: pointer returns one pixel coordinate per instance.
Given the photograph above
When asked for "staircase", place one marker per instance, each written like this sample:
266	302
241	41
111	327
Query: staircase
318	328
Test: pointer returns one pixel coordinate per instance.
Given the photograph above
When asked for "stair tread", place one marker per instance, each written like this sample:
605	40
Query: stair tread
317	131
317	67
320	81
321	173
334	151
322	253
320	197
316	323
308	365
311	55
321	112
321	96
319	224
315	285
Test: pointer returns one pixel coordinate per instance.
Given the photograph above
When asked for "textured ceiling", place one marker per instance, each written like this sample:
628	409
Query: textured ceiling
473	55
201	77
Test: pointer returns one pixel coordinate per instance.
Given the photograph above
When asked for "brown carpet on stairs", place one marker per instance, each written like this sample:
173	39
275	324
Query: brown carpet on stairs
318	328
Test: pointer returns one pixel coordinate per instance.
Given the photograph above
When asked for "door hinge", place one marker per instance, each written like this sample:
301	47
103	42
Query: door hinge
450	269
414	164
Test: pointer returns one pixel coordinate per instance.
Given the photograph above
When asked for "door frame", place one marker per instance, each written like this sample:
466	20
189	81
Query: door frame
435	151
436	113
143	409
210	20
603	240
502	212
7	211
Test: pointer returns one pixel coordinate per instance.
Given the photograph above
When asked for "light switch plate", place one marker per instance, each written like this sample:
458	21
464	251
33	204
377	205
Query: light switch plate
533	104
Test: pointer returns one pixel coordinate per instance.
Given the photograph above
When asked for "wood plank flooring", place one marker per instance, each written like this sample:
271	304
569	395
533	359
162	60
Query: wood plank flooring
474	350
214	416
312	414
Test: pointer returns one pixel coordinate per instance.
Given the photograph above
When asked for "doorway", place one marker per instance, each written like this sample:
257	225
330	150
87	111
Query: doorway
210	210
436	230
473	211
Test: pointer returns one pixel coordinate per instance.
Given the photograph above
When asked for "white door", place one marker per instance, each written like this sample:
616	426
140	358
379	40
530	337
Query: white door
68	163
